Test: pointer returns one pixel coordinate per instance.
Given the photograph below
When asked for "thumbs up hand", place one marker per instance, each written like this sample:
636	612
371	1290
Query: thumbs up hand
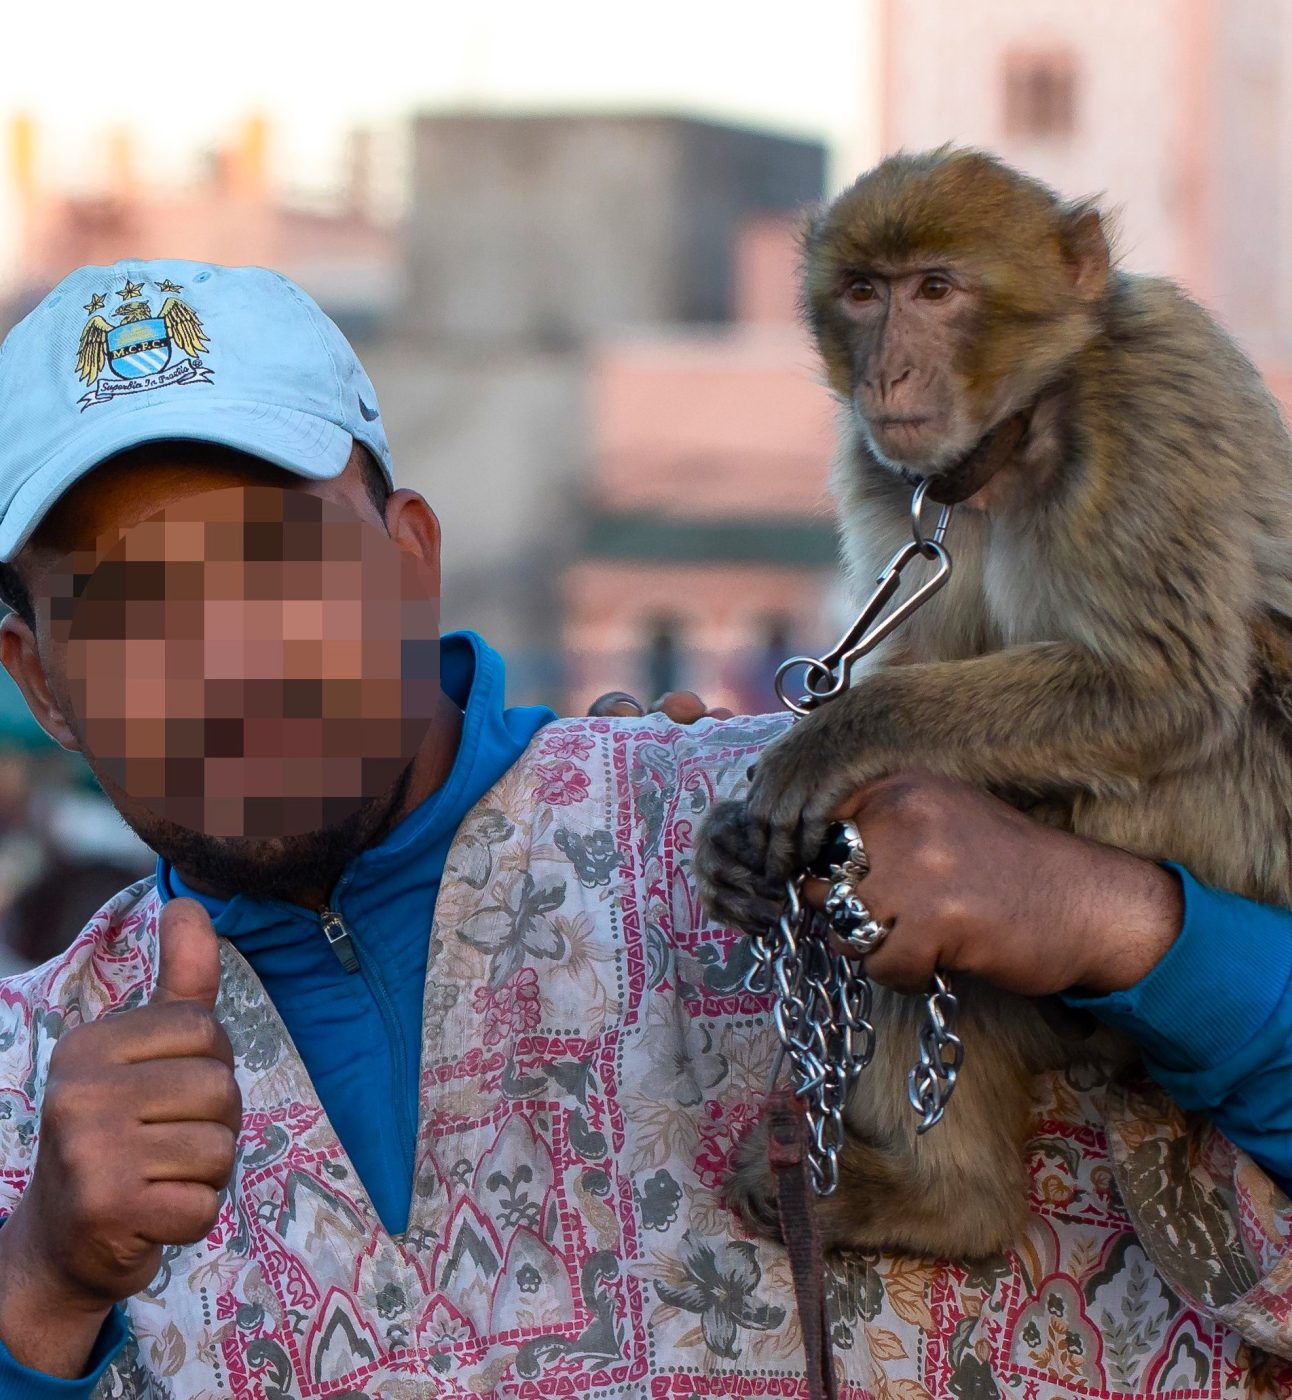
138	1132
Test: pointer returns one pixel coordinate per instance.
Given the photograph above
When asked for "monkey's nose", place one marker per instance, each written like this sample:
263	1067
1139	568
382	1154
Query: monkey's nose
882	382
889	382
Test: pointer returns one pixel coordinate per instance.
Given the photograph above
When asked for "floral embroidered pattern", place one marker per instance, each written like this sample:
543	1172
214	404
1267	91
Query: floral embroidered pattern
560	783
721	1288
562	742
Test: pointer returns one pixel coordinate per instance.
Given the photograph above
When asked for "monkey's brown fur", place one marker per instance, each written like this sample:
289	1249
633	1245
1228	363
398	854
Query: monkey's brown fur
1114	645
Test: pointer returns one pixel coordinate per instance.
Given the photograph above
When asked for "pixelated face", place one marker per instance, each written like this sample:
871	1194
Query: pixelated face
248	662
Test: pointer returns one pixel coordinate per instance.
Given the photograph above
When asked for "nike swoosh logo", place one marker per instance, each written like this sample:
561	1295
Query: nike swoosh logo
370	414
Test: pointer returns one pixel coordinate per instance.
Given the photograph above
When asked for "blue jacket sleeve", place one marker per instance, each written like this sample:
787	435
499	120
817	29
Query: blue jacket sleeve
22	1383
1215	1020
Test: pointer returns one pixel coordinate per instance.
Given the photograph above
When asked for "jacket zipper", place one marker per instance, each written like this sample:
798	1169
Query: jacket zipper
343	944
339	940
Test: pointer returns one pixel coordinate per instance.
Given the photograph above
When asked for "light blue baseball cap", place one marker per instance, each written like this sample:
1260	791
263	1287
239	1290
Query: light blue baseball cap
141	351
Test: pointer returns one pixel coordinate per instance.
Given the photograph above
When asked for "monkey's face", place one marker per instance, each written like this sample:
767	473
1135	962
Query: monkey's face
945	291
905	334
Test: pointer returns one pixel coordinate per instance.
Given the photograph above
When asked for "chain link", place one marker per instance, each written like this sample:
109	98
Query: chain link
823	1000
930	1082
822	1017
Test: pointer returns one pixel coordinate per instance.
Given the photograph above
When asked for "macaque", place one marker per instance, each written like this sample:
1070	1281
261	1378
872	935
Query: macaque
1113	650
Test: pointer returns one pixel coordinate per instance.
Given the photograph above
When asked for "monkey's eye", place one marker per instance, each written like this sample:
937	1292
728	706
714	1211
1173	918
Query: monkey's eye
860	289
934	287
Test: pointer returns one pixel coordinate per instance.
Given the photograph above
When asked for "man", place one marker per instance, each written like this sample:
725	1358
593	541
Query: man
417	1069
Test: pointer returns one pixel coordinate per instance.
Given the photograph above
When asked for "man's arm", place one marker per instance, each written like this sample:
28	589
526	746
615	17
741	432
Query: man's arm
1214	1016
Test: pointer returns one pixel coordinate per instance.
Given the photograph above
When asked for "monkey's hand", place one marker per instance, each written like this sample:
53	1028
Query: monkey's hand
801	781
745	851
728	871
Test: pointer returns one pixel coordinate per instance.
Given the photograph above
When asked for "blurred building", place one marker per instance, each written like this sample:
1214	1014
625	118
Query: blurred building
708	548
548	232
571	283
233	212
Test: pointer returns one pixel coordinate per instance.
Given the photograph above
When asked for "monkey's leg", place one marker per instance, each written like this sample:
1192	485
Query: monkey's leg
959	1192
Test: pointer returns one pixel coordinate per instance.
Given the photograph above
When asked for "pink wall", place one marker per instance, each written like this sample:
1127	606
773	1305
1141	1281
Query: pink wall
944	67
767	258
730	424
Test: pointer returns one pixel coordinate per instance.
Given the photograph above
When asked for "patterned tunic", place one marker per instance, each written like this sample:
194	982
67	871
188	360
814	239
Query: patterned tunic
589	1061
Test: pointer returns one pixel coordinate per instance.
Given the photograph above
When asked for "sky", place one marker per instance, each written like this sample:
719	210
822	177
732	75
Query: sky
180	77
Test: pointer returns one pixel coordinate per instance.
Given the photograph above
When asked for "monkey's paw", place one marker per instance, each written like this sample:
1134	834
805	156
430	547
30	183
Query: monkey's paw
729	875
800	782
751	1188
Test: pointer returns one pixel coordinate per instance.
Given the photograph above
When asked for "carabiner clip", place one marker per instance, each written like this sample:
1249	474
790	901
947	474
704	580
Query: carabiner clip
826	677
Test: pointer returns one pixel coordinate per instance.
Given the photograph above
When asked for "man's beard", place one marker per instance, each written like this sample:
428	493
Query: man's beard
279	867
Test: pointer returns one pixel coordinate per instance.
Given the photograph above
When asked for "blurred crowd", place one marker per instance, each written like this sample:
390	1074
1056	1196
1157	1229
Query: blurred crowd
63	849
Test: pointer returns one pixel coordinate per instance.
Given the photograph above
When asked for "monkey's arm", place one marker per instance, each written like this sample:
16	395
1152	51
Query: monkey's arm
1049	719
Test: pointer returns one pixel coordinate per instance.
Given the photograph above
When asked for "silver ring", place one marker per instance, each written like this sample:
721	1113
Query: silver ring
852	922
617	697
842	857
866	936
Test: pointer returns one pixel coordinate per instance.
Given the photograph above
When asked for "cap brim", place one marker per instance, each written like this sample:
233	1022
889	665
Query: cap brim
297	442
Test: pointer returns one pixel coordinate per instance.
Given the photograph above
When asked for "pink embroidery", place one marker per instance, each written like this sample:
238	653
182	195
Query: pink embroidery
560	783
567	743
513	1009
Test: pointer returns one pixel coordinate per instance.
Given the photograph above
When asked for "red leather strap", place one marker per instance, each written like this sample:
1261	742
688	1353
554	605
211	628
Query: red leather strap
787	1145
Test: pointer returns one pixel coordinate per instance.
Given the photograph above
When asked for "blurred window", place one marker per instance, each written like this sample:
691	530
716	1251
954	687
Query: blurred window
663	657
1040	94
757	688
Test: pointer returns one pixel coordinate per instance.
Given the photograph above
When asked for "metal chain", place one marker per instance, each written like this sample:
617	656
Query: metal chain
823	999
822	1016
930	1082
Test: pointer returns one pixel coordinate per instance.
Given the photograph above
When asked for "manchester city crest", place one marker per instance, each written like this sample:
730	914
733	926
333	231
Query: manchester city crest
137	352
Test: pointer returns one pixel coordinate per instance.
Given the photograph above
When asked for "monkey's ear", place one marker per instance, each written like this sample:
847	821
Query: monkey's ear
1085	249
812	223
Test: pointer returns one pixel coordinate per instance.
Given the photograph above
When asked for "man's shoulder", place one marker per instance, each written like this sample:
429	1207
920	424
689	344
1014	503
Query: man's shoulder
708	742
647	774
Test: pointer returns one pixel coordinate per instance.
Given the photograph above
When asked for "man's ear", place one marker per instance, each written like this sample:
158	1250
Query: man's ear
21	659
415	528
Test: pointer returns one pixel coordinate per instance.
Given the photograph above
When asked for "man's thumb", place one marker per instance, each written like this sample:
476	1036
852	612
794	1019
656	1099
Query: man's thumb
188	959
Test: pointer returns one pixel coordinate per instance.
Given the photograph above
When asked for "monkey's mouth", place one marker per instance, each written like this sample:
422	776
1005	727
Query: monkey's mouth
900	436
886	425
